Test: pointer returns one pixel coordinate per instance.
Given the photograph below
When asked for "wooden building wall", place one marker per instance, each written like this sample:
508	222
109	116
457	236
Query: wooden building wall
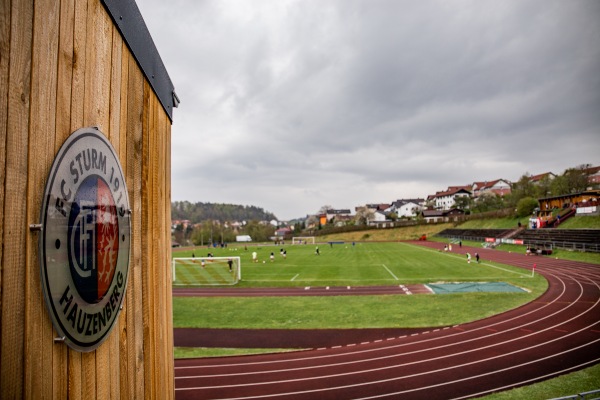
63	66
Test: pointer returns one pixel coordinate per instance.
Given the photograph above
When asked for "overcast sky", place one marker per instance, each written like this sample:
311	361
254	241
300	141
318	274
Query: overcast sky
292	105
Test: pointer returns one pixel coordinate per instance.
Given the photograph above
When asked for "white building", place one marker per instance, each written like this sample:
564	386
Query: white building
446	200
407	207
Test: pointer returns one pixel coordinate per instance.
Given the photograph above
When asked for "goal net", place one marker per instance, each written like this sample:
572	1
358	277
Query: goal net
303	240
206	271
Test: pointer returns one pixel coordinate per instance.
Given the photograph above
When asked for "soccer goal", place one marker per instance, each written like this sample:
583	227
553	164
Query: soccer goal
206	271
303	240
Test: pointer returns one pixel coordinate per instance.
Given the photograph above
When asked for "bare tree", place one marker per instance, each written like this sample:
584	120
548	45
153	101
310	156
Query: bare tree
363	215
324	209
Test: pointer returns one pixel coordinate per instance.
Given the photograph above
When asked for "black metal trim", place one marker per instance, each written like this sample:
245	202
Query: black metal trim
127	17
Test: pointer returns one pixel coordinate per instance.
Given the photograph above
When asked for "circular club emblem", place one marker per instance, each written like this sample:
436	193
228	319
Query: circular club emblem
85	239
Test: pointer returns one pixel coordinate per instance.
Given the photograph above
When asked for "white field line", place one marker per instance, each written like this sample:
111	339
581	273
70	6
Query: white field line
507	270
295	276
461	256
391	273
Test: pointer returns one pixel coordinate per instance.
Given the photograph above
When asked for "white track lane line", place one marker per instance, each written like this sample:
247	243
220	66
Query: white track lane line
542	344
407	353
390	347
397	378
462	353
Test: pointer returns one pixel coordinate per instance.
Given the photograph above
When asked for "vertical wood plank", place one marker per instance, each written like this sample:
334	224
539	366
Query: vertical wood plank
147	283
114	131
12	367
167	259
63	129
89	118
75	362
97	113
79	64
125	56
135	322
39	332
65	72
97	71
166	135
4	57
114	136
158	345
165	256
164	347
124	338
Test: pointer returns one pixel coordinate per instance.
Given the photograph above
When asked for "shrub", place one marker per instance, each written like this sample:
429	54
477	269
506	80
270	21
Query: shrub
525	206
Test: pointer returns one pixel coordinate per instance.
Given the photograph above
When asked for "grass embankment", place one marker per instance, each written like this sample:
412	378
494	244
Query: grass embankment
388	235
590	222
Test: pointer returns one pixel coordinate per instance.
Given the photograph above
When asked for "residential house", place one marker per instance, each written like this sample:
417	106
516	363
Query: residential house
593	174
322	218
406	207
283	232
183	222
338	215
445	200
377	216
376	207
432	216
536	179
500	187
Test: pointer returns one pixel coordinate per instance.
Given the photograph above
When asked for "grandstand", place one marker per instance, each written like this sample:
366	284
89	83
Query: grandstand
476	235
570	239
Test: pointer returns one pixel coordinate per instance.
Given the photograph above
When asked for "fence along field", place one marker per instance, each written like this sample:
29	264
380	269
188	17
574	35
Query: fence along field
343	264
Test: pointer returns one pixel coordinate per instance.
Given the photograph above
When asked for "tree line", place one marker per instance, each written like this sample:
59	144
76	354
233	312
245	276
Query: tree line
199	212
212	223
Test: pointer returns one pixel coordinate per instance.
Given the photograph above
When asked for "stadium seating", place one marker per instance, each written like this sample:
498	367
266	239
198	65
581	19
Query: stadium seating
478	235
571	239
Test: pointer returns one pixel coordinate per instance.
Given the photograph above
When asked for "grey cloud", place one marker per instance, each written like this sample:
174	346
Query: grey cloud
339	101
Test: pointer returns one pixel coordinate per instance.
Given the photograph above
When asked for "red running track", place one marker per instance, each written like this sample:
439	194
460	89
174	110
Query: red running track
557	333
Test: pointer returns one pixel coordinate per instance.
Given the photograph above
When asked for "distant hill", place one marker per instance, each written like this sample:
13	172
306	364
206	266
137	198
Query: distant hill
198	212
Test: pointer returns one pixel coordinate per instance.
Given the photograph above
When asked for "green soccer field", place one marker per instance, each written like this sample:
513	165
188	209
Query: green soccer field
365	264
346	264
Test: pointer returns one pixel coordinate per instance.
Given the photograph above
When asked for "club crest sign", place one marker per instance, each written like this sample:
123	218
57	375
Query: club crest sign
85	239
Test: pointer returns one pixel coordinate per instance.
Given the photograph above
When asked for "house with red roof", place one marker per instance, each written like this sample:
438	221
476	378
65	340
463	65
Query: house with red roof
593	174
537	178
445	200
500	187
441	215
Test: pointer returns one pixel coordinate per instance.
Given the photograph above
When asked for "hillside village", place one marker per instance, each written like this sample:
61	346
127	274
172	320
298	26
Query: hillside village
444	205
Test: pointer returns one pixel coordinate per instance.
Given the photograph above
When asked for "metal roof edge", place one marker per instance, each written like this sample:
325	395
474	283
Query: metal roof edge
128	19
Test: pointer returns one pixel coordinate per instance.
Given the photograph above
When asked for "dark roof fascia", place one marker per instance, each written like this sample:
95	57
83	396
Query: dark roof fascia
452	192
566	196
433	213
128	19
